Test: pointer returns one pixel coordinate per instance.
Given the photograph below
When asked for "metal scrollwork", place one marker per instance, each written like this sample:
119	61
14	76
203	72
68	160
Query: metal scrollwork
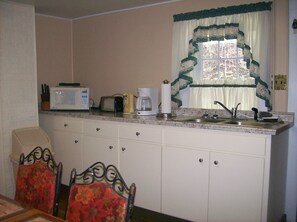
99	172
39	154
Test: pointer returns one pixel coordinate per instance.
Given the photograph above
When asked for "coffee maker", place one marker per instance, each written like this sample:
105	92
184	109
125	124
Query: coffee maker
147	102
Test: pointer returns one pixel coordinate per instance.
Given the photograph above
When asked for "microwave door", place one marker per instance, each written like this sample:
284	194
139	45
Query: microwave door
69	98
64	99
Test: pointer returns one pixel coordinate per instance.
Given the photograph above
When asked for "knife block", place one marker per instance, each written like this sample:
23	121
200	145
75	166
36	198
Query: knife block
45	105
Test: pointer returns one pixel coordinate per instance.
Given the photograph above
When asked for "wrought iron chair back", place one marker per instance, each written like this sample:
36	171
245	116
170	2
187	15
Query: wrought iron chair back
109	175
45	156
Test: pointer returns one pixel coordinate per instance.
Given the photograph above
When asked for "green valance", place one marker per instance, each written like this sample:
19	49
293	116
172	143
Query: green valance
231	10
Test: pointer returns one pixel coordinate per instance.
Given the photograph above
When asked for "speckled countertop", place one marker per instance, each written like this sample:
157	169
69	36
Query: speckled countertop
286	120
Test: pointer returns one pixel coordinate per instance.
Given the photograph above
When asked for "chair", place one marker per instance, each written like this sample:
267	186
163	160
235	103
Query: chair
39	180
99	194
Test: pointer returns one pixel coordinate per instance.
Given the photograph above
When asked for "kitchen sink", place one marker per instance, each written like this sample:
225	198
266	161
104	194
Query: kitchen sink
248	122
225	121
206	120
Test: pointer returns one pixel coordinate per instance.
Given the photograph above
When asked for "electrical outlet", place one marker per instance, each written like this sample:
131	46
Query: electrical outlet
280	82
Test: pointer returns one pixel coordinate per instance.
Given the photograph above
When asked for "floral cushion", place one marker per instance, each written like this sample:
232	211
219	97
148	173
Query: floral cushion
35	186
95	202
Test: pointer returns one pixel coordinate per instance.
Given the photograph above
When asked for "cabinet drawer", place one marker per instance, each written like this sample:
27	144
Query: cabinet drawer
100	128
150	134
68	124
213	140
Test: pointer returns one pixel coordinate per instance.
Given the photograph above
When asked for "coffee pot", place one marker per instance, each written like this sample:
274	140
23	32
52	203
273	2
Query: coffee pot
148	101
144	103
128	103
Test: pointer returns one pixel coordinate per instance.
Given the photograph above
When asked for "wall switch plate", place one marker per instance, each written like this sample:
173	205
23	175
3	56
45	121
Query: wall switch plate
280	82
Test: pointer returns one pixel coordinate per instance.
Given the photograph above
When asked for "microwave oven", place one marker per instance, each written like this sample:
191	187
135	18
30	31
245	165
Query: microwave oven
69	98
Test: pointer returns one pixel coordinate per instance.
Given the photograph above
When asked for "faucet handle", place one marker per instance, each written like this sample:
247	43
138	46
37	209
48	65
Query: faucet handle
205	115
234	111
255	113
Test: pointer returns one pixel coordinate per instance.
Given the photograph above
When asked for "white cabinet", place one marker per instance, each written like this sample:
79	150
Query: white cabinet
235	188
100	143
204	180
140	162
195	174
67	145
185	183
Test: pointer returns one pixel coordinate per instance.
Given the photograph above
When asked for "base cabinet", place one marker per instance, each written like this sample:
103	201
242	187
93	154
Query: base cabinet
200	175
200	184
67	143
185	183
140	163
235	188
100	143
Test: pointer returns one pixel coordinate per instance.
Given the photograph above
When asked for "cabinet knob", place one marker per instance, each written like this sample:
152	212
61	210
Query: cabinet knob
110	147
216	162
123	148
200	160
65	124
97	129
137	133
76	141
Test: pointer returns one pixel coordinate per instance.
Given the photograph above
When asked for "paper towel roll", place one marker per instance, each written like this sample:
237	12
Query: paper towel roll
166	98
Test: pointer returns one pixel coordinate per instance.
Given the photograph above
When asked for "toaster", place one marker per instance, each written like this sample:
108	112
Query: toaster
111	104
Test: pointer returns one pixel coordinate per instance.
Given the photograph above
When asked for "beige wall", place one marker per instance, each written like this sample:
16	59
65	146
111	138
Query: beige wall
281	58
119	52
54	51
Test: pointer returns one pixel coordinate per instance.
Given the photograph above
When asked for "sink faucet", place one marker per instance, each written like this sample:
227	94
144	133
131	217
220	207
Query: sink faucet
233	111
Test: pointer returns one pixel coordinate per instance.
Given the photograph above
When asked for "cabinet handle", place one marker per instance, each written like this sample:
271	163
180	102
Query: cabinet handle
137	133
216	162
76	141
110	147
200	160
65	124
123	148
97	129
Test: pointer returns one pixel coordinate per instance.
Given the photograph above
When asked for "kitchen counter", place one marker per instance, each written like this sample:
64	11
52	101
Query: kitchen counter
224	160
286	120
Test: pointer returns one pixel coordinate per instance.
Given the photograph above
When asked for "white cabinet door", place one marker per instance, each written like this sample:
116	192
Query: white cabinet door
68	141
235	188
100	143
140	163
185	183
100	149
68	150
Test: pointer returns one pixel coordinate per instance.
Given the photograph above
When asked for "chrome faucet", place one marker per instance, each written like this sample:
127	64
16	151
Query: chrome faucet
233	111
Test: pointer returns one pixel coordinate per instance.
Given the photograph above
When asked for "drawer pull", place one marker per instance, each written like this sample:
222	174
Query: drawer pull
137	133
97	129
123	148
110	147
216	162
76	141
200	160
65	124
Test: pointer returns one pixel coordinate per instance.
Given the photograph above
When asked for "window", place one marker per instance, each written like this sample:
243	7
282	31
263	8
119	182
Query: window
220	60
221	72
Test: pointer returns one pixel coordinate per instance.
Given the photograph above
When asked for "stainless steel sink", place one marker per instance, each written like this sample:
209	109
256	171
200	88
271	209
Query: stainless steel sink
248	122
225	121
206	120
198	119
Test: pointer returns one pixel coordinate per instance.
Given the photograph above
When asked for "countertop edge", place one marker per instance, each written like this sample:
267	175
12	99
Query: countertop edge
153	120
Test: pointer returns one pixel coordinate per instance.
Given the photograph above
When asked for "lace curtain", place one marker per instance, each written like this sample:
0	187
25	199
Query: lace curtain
249	24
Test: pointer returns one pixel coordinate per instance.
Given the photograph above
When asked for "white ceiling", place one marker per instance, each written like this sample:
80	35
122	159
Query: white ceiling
73	9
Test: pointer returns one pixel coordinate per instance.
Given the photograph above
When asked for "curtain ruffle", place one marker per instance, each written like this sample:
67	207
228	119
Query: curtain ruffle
218	32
